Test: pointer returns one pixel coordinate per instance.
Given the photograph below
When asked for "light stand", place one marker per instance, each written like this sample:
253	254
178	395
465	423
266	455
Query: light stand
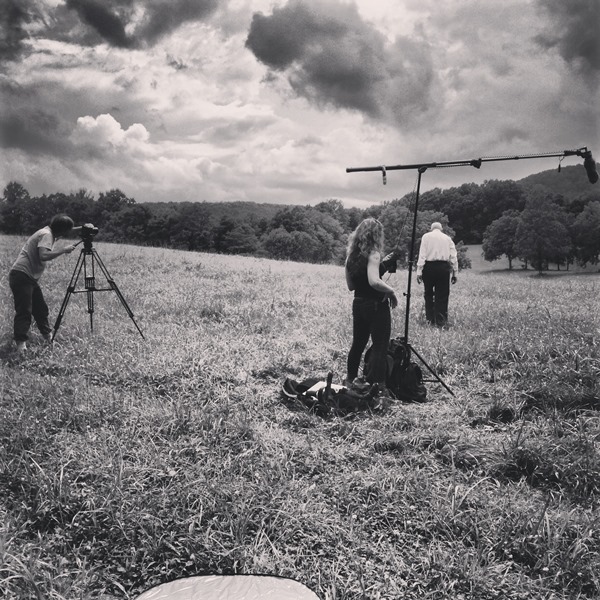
590	167
89	278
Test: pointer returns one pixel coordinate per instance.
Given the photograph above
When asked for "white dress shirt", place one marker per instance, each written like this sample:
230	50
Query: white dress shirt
436	245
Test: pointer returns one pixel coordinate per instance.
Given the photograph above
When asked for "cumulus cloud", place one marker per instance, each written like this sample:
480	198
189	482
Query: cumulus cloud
105	133
331	56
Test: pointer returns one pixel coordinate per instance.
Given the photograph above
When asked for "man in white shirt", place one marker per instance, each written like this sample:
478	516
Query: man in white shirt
25	273
436	267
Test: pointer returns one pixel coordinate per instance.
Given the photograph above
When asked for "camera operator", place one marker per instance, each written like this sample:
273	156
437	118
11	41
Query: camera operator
27	270
437	262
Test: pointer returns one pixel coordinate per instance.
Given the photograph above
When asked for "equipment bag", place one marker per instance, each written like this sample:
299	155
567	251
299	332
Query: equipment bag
327	399
404	378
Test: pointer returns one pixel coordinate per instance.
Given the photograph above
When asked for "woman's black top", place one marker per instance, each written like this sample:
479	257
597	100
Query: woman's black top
357	268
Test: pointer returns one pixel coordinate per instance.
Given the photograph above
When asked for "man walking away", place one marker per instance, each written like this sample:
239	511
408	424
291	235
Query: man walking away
436	267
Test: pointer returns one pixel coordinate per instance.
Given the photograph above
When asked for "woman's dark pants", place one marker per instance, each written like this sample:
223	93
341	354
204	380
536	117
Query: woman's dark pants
29	301
370	318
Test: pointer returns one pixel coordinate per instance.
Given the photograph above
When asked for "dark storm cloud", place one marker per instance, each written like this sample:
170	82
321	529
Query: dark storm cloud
110	18
575	32
331	56
100	17
27	124
14	14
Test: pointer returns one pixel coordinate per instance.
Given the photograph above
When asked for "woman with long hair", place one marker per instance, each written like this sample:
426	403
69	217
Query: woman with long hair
373	299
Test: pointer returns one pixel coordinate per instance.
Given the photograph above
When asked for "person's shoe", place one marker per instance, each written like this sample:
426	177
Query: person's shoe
21	346
360	385
47	337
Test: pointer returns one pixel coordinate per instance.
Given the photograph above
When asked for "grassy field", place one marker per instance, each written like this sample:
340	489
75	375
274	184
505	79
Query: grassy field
127	462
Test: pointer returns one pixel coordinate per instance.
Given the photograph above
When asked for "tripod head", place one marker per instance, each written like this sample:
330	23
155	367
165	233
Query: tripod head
88	232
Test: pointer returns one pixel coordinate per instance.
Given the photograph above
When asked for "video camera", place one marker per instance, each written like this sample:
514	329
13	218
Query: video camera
88	231
389	264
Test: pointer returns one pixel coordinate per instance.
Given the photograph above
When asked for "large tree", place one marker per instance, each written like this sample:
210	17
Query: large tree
542	234
500	237
586	234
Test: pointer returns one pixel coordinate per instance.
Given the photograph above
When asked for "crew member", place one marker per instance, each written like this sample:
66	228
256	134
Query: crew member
27	270
373	299
436	267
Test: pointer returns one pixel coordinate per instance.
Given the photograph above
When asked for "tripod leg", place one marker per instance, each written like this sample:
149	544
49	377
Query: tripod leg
439	379
70	290
115	288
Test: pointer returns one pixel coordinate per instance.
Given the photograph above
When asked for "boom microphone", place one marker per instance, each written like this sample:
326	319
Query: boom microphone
590	167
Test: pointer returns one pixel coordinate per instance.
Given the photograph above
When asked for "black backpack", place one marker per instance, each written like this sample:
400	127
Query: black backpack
404	378
328	400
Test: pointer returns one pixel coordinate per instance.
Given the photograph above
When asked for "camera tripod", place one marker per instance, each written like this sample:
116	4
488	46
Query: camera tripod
590	167
88	260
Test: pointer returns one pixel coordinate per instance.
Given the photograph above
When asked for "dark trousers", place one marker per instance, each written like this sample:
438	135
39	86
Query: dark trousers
29	301
370	319
436	280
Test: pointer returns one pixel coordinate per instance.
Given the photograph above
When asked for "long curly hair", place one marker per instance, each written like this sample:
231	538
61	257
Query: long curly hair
365	239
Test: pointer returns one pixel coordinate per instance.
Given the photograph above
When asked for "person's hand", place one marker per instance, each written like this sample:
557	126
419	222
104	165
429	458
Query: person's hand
393	299
68	249
419	279
454	279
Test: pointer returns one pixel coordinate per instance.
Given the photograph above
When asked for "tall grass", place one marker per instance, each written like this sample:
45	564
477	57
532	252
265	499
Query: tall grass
126	462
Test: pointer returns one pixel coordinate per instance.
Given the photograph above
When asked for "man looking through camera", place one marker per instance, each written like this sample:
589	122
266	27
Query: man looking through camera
437	262
26	271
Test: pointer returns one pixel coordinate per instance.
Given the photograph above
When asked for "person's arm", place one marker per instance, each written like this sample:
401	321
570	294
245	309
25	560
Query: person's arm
349	281
47	254
453	261
375	280
422	258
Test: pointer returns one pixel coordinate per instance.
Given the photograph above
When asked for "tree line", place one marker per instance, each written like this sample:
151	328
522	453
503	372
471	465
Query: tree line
471	214
545	232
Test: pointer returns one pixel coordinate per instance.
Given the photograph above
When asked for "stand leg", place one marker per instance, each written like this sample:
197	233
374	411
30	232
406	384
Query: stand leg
439	379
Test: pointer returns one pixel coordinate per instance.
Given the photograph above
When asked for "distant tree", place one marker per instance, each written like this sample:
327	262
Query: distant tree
80	206
241	239
192	229
542	234
128	225
108	203
355	216
336	209
225	226
586	234
500	237
326	235
284	245
464	262
14	203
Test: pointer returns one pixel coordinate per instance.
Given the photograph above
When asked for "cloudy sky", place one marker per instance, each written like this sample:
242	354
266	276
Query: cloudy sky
271	100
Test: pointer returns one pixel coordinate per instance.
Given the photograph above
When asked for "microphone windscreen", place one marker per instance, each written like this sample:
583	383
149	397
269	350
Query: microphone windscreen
590	167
